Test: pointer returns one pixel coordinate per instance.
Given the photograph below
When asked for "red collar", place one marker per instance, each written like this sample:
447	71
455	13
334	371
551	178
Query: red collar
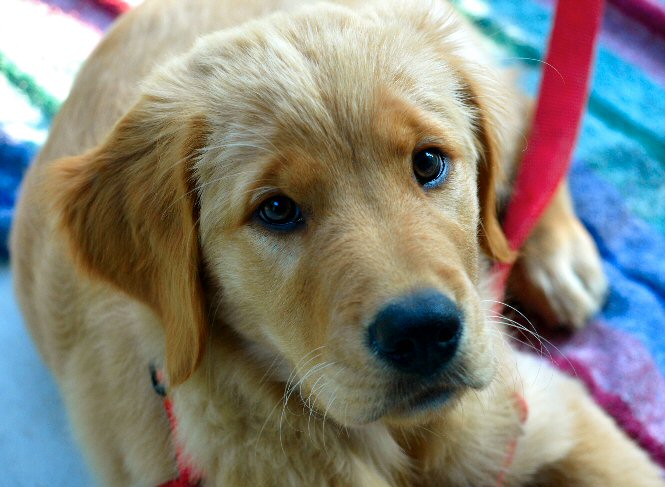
522	415
187	475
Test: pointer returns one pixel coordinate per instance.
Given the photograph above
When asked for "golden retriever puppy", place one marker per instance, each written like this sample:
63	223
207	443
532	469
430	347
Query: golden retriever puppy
291	210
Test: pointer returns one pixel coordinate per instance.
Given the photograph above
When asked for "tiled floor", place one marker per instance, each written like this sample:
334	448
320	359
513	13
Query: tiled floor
36	447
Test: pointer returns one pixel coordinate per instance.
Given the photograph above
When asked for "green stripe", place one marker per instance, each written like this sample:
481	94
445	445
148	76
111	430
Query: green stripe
527	53
598	106
615	120
37	95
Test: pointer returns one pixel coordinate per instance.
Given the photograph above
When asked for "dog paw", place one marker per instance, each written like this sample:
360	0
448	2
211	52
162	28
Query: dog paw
559	275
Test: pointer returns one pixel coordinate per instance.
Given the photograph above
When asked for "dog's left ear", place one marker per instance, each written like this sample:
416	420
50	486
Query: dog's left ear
492	239
129	210
439	23
486	121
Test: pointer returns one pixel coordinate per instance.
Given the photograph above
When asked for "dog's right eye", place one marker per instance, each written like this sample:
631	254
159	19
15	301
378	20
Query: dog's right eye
280	213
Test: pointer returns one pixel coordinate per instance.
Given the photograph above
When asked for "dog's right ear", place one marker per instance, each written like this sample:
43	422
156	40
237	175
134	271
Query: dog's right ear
129	210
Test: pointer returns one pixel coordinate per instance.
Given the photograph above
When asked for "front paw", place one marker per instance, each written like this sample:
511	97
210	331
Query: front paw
559	275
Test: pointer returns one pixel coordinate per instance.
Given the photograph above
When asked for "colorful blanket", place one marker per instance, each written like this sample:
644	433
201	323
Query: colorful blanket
618	178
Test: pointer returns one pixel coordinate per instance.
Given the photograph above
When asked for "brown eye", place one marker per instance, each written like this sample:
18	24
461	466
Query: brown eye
280	213
430	167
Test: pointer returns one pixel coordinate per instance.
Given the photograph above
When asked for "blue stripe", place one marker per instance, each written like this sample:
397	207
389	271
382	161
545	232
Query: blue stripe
633	255
14	158
621	93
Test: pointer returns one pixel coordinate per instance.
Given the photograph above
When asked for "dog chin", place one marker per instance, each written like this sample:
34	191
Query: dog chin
407	409
422	405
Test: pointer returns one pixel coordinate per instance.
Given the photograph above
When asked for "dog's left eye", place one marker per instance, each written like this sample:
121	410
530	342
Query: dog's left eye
280	213
430	167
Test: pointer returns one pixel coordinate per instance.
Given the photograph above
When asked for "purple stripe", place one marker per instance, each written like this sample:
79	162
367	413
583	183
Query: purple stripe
86	11
631	41
621	376
620	363
648	12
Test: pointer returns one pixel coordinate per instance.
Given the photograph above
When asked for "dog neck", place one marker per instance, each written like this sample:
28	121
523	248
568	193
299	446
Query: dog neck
223	416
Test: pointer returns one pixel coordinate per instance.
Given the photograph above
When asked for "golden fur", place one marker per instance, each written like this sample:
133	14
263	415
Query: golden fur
136	244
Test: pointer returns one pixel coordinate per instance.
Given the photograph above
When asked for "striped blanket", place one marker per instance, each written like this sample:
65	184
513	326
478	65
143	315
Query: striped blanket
618	178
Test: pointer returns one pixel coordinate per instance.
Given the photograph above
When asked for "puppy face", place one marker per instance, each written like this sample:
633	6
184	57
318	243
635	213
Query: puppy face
340	214
343	165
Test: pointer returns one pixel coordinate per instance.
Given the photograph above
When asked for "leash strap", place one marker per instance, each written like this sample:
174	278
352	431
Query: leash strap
561	103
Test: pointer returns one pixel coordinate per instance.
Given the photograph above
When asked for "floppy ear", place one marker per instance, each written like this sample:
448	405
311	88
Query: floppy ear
439	22
492	239
130	214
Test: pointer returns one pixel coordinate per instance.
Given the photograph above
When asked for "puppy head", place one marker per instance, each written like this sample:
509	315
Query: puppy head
334	172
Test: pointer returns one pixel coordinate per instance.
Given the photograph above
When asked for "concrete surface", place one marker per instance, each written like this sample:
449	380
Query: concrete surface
36	444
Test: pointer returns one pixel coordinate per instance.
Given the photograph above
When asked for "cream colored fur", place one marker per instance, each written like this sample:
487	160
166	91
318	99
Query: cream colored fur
135	245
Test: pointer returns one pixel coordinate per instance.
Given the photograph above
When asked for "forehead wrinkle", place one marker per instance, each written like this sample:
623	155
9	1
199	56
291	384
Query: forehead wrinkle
341	56
349	89
296	173
405	127
324	105
265	183
442	98
230	164
267	80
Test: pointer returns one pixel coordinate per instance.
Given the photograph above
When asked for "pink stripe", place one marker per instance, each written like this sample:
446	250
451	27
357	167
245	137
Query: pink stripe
115	7
616	407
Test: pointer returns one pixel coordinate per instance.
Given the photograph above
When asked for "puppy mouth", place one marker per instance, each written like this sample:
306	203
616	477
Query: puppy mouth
423	399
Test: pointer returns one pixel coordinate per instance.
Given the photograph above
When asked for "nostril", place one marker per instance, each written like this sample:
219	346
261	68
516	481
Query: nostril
447	332
401	351
418	333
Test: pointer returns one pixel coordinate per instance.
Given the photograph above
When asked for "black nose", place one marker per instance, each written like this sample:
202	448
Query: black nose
418	333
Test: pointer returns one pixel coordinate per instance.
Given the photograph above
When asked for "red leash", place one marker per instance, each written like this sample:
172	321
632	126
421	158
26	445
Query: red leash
561	103
562	100
187	477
